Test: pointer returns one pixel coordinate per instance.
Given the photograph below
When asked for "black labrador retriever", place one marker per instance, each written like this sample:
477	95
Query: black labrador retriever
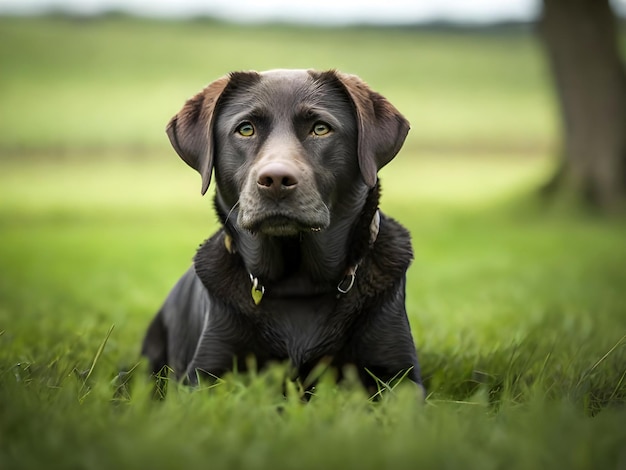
305	268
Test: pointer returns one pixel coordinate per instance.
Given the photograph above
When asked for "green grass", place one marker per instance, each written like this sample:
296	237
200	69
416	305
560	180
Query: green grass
518	309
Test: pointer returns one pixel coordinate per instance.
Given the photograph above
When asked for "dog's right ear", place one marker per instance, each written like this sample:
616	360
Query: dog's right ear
191	130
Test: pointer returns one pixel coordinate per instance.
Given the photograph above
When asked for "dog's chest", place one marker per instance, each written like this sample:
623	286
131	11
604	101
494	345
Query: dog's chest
301	330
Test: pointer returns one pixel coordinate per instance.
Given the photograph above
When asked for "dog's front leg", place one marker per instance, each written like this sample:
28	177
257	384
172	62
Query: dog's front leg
385	348
217	350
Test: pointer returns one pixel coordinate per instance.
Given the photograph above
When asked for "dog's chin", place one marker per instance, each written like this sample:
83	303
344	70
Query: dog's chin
279	226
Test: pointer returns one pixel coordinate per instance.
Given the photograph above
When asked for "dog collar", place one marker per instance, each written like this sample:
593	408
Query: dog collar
258	289
344	286
347	282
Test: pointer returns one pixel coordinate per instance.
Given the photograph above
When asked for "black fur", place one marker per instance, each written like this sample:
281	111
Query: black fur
299	238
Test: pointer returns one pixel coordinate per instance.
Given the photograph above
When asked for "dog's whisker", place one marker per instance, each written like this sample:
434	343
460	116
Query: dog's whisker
232	209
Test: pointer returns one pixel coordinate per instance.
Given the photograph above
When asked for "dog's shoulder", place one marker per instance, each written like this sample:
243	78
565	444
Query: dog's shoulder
393	246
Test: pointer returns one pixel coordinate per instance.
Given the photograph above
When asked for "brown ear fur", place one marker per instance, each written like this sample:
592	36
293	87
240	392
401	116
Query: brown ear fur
190	131
382	129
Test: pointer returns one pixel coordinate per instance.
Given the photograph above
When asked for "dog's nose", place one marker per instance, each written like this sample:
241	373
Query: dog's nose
277	179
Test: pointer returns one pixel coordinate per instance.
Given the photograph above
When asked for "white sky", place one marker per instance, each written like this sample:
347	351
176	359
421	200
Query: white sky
304	11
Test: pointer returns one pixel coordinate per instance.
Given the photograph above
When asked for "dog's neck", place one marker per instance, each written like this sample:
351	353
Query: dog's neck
311	262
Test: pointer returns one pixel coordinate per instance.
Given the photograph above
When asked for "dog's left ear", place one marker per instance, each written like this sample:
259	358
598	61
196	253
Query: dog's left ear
191	130
382	129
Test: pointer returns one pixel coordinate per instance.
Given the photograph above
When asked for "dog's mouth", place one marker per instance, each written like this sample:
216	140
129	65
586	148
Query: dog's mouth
282	226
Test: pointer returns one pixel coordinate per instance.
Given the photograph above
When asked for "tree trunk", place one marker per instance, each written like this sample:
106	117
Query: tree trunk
580	37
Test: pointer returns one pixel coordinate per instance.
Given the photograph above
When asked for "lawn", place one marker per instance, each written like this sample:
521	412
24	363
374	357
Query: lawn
518	308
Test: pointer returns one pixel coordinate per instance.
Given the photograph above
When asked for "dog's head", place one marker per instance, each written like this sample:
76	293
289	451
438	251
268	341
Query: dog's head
285	144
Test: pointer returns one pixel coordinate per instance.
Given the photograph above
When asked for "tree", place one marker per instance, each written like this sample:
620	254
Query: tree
581	40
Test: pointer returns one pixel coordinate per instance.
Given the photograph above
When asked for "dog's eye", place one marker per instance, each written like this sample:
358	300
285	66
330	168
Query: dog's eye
321	128
246	129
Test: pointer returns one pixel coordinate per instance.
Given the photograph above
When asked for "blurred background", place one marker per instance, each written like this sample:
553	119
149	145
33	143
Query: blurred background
486	80
512	179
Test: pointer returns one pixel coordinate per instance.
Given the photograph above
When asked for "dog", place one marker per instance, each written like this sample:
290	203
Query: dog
305	268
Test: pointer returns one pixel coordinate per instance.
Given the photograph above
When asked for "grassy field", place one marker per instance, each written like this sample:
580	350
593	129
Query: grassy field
518	309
